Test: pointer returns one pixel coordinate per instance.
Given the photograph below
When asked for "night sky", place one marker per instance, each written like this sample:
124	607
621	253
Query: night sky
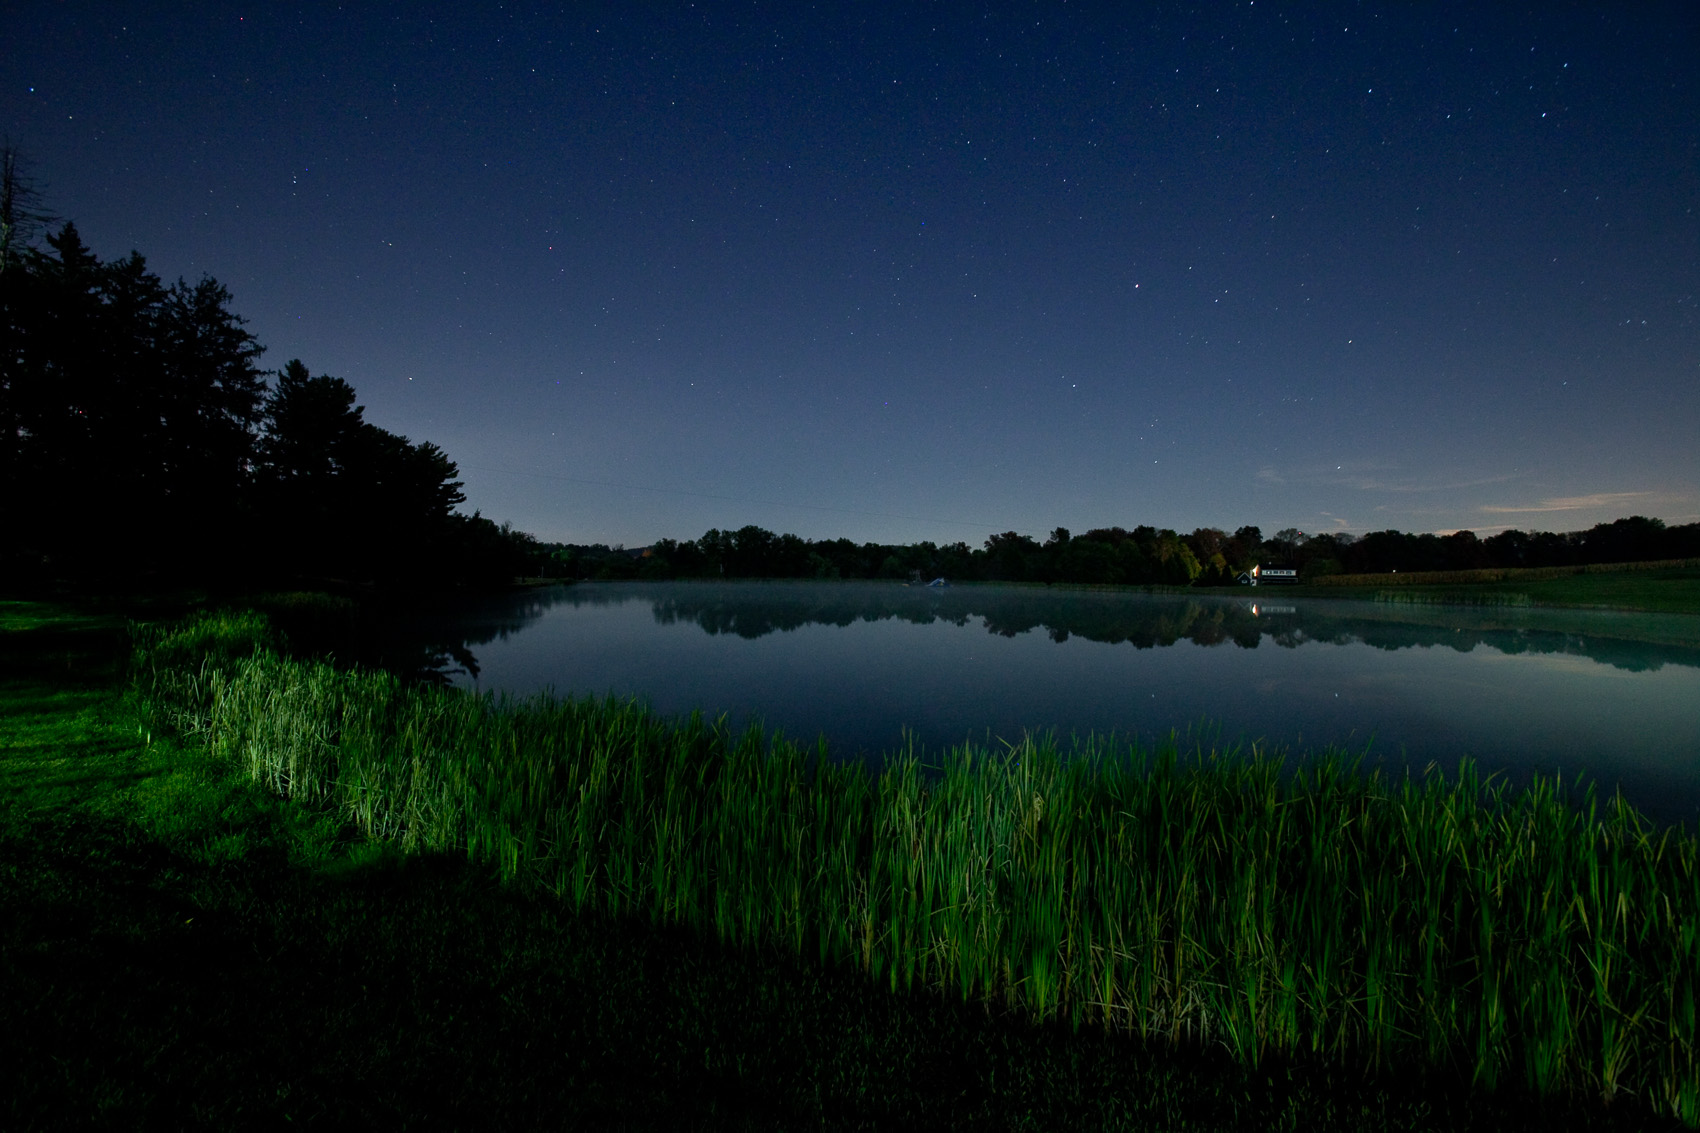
932	271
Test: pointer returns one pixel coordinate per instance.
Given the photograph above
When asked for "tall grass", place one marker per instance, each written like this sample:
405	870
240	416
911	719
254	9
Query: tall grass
1191	895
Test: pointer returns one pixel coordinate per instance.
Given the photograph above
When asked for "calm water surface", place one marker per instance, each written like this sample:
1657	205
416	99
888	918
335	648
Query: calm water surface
1614	695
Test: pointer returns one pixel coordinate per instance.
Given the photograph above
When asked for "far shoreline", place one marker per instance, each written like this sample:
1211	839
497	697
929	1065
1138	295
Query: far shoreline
1666	587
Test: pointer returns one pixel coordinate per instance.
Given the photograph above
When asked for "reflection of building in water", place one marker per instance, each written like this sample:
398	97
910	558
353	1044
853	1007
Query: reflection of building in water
1268	575
1264	609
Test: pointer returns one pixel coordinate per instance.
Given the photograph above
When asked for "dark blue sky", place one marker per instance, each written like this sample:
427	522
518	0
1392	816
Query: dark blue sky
933	271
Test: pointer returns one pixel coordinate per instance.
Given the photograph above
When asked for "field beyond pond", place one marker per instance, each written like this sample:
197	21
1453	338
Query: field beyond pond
1658	587
724	929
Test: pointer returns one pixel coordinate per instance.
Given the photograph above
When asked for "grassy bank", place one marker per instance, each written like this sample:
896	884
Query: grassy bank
1503	937
1658	587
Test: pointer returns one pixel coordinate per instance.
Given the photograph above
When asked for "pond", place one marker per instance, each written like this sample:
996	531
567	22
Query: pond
871	666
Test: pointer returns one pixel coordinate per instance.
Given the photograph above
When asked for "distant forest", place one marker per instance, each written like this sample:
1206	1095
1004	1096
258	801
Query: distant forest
140	441
1142	556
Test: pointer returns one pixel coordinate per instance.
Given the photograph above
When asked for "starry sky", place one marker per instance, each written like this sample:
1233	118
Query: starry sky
932	271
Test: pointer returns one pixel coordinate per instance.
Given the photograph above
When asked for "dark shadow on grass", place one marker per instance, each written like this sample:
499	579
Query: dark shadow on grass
145	986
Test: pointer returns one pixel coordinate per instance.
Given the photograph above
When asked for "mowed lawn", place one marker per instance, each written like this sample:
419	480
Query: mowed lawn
1673	591
1628	586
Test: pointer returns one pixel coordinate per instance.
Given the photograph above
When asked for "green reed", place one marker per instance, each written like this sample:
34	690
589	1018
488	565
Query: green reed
1194	895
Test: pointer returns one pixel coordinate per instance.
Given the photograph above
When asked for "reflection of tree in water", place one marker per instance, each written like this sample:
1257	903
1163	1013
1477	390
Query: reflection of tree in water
429	646
1145	621
730	609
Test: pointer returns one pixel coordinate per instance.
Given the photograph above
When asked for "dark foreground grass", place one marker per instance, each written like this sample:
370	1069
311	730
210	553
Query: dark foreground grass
182	948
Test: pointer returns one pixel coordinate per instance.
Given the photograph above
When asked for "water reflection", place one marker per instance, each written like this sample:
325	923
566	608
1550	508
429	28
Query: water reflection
870	667
1639	643
454	630
434	646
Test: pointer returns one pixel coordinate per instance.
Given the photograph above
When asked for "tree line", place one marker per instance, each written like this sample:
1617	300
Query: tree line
140	439
1208	556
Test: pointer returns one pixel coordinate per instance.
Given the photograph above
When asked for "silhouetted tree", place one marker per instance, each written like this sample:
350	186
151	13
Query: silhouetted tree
1008	556
21	214
1284	544
1243	549
131	437
128	411
345	497
1635	539
212	400
1088	560
1463	550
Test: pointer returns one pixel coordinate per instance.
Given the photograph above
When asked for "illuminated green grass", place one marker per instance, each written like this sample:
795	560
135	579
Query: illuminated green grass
1191	896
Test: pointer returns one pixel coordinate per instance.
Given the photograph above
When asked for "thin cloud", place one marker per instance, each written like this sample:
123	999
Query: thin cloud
1456	485
1573	503
1486	529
